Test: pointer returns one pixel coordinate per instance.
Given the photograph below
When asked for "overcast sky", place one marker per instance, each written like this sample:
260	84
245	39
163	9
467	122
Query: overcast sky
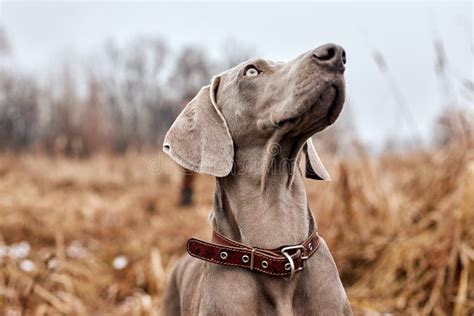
40	33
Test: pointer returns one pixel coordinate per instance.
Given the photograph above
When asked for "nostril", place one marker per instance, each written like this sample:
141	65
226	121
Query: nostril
344	57
325	54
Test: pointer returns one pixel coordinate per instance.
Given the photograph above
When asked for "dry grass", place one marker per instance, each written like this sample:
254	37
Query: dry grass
399	227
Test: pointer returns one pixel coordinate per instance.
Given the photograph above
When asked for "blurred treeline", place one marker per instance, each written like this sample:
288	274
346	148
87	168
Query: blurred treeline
124	98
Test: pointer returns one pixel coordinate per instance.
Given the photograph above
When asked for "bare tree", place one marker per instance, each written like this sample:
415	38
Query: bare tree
60	132
18	102
130	79
192	70
18	111
128	97
5	48
96	126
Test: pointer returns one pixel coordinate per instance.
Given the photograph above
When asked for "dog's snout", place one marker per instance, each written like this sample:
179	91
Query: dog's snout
330	55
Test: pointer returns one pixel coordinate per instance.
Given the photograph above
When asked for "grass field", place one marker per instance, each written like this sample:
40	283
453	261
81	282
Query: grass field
100	236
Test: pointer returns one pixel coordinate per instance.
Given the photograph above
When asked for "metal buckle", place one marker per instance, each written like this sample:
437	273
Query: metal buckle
290	260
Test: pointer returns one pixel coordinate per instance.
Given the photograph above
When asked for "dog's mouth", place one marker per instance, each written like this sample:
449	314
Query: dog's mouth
335	104
317	115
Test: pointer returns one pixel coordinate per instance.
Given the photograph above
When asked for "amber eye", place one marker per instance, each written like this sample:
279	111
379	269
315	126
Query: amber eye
251	71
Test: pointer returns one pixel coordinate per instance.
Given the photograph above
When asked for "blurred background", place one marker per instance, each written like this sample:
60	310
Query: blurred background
93	216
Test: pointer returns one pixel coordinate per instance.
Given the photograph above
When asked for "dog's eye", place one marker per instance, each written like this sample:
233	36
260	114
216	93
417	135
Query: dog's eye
251	71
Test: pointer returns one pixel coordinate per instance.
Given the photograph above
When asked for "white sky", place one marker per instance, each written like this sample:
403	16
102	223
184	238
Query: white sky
41	33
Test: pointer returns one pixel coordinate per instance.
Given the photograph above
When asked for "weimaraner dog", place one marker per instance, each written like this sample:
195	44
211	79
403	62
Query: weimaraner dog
249	129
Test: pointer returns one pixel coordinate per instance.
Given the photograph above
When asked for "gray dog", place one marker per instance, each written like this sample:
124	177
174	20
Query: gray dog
248	129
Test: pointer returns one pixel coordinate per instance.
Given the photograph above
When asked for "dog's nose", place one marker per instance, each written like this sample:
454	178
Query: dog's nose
330	55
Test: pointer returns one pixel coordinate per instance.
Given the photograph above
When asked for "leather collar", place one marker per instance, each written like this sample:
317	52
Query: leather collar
282	261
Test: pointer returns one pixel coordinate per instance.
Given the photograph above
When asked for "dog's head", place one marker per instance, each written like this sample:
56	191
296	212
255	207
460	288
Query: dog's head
248	104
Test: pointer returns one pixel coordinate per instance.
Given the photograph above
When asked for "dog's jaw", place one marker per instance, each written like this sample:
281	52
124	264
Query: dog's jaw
315	113
336	106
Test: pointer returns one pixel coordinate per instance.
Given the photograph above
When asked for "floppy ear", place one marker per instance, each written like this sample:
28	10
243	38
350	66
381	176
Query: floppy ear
314	167
199	139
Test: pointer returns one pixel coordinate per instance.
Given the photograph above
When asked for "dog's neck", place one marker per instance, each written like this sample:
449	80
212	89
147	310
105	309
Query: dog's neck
263	202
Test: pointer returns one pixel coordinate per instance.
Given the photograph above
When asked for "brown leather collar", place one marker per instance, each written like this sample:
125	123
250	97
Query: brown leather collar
282	261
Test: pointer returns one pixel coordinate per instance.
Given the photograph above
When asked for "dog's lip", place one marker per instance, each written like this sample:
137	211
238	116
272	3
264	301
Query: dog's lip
334	108
332	112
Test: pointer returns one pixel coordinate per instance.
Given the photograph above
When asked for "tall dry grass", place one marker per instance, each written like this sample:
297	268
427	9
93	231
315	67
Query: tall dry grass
100	236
